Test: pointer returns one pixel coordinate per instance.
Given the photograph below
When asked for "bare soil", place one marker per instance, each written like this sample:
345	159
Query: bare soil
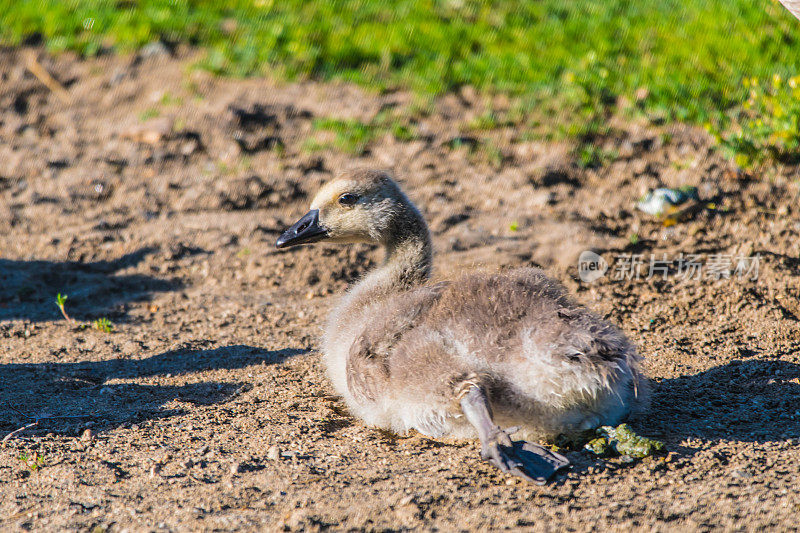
207	407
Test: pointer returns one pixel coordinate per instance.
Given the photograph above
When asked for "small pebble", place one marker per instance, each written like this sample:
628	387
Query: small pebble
406	500
274	453
87	435
236	468
296	520
153	49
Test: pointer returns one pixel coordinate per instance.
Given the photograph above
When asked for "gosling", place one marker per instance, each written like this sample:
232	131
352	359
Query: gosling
464	358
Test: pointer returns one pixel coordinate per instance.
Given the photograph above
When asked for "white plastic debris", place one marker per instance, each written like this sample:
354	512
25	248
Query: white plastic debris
660	201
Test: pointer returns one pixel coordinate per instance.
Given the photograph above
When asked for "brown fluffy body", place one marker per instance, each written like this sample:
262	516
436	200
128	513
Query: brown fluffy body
399	350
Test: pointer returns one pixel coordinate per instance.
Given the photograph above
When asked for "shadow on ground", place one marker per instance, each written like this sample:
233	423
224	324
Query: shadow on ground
746	401
28	288
751	401
74	393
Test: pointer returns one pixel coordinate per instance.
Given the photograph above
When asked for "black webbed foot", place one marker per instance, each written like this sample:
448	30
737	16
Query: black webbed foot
529	461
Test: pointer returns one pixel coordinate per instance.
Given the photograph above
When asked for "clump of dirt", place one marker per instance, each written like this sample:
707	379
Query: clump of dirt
154	199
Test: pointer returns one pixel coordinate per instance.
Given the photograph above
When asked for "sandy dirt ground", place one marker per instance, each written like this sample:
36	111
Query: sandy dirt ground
153	198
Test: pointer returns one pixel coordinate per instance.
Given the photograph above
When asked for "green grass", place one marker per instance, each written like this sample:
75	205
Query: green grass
353	136
767	127
348	135
103	324
146	115
592	156
670	58
32	461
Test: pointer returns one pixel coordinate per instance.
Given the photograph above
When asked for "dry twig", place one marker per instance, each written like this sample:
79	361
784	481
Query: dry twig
36	420
43	76
18	430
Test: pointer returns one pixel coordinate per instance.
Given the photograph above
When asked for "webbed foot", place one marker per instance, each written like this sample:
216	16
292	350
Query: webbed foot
529	461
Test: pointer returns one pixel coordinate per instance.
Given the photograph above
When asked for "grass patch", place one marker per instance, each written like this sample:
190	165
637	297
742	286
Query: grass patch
593	156
348	135
354	136
32	461
573	61
767	127
103	324
148	114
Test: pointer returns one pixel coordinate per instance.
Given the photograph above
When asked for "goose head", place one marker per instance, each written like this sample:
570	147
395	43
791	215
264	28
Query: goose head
356	206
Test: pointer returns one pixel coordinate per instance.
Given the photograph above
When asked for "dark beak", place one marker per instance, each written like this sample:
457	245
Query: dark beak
304	231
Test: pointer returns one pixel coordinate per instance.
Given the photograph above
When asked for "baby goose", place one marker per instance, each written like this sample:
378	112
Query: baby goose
461	358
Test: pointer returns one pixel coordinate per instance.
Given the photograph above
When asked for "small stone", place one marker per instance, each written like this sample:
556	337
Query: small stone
741	474
228	26
87	435
188	463
129	347
154	49
151	132
501	102
274	453
542	198
236	468
405	500
408	513
296	520
469	94
203	449
155	470
189	147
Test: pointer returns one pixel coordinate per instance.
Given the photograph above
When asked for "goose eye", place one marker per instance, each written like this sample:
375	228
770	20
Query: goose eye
348	199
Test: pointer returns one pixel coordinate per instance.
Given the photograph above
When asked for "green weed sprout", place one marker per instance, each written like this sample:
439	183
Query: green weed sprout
103	324
33	461
61	299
